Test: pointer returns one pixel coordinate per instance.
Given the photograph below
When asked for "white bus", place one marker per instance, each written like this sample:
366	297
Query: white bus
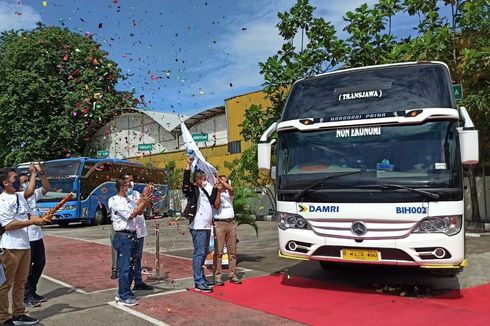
369	167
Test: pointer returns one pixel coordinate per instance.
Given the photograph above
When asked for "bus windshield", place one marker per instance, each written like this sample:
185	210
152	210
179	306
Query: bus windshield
59	189
60	169
421	156
383	89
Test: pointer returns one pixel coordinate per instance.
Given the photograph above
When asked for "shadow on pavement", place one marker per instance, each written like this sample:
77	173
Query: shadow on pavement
390	280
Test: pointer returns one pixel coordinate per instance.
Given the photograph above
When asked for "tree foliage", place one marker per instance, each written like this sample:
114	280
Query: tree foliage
56	89
461	39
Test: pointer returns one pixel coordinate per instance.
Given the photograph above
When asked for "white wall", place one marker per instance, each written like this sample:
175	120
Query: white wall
216	128
122	135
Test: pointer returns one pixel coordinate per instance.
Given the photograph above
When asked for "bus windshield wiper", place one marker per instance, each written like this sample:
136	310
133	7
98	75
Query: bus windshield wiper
318	182
395	186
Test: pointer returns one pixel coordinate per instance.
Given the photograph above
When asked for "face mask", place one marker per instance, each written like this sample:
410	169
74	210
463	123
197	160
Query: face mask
16	184
131	188
25	185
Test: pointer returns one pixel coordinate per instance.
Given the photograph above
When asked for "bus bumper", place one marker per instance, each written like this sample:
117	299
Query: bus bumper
418	250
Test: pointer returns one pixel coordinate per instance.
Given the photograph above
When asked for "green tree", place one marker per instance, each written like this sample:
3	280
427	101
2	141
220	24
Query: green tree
310	47
56	89
461	40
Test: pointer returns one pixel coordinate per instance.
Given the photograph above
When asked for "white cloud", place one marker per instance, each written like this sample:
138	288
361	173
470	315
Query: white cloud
241	50
15	16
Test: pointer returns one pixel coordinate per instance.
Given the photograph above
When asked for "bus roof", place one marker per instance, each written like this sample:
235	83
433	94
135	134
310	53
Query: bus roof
82	159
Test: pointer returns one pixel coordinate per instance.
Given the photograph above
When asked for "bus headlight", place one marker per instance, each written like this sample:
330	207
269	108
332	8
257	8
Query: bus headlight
449	225
291	221
69	208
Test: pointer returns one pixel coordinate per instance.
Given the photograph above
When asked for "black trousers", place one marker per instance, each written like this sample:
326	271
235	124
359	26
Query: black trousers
38	260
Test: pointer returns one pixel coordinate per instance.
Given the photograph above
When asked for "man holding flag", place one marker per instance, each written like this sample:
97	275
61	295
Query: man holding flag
199	209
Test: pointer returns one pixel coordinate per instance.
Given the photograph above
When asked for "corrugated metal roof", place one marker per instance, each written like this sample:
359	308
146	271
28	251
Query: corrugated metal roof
200	117
167	120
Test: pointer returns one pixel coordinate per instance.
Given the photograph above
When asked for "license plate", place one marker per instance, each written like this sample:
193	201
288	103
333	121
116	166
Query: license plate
355	254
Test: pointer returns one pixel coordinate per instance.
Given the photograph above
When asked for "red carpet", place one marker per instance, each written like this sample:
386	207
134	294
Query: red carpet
321	303
190	308
87	265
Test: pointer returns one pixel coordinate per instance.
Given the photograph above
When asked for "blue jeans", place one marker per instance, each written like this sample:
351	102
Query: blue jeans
137	260
200	240
125	245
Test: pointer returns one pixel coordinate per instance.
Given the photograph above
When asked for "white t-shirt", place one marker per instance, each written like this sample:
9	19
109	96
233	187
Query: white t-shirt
225	211
35	232
141	230
14	207
204	214
121	208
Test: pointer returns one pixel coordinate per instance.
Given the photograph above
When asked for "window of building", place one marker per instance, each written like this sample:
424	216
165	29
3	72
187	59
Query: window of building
235	147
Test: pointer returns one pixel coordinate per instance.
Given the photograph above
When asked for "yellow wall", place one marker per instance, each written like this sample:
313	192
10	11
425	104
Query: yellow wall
217	156
235	110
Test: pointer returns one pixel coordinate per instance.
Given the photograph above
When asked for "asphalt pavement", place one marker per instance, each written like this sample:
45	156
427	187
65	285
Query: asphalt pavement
257	256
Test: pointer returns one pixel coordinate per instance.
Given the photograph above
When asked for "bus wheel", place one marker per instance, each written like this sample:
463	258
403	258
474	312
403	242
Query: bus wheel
99	217
63	224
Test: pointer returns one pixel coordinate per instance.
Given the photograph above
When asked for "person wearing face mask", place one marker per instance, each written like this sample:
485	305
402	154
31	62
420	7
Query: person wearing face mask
38	255
200	214
123	214
15	217
141	233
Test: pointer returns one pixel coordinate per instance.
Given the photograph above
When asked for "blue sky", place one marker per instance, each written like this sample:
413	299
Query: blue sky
183	56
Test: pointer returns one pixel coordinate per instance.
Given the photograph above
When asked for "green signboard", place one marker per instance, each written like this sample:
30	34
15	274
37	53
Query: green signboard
200	137
102	154
458	92
145	147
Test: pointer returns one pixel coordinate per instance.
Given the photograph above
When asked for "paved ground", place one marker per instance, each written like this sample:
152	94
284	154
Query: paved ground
80	291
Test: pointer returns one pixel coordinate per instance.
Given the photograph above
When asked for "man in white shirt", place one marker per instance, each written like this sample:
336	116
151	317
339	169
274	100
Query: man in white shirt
38	255
15	217
124	213
225	231
141	233
200	214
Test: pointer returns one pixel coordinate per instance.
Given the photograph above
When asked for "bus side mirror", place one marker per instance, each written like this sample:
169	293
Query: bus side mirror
468	141
264	157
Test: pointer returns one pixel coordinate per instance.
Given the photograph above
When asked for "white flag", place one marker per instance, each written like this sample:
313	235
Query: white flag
193	151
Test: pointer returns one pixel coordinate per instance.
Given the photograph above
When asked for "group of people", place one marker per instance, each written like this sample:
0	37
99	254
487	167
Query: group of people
22	247
210	208
127	237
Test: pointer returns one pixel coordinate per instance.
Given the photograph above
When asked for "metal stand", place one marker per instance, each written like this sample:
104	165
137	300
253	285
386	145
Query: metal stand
155	276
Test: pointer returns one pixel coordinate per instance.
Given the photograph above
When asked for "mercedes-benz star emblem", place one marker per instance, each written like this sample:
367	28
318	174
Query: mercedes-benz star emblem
358	228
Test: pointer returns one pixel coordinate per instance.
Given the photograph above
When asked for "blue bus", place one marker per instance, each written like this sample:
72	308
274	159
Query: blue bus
93	183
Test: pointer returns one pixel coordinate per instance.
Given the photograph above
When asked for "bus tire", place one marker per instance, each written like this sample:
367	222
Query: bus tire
148	213
63	224
100	216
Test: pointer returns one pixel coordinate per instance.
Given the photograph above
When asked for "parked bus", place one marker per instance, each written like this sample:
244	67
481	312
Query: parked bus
370	167
93	183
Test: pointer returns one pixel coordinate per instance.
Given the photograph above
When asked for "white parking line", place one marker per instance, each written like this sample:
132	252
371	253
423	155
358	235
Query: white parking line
137	314
66	285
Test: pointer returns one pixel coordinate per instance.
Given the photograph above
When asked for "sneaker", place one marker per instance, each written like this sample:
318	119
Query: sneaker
24	320
235	280
142	286
128	302
116	298
8	323
31	303
114	275
39	298
203	288
218	282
